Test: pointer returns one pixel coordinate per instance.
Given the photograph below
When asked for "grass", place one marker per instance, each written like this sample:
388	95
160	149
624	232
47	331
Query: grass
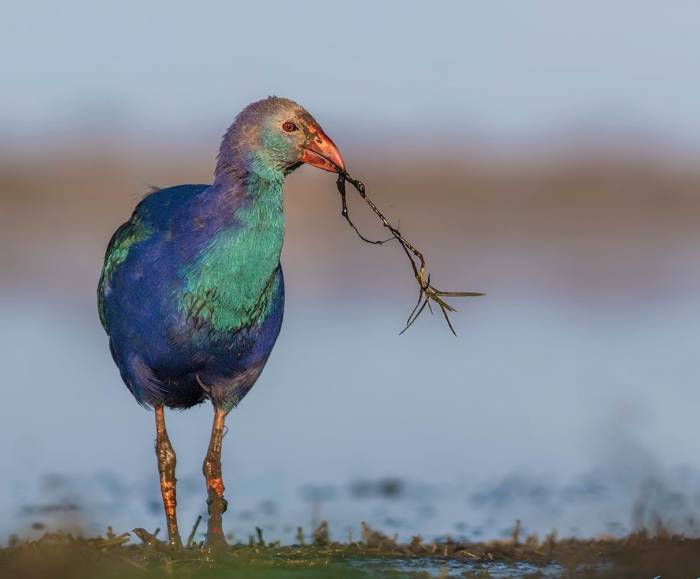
63	556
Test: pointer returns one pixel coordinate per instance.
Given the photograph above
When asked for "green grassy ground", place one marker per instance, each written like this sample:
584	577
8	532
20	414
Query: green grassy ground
62	556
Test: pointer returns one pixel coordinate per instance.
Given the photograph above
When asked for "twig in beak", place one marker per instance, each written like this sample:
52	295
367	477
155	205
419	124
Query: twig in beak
344	212
427	291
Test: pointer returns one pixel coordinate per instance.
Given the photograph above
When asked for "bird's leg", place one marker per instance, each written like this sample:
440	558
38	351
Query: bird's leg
166	469
215	486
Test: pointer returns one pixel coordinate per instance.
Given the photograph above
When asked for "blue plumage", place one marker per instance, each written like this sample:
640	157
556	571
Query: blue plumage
164	355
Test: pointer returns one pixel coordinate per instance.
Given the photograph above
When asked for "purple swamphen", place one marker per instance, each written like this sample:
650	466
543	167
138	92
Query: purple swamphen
192	293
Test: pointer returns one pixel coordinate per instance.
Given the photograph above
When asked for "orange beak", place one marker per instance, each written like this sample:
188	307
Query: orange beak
321	152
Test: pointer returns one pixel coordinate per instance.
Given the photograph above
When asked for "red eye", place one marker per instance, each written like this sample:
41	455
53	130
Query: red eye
289	127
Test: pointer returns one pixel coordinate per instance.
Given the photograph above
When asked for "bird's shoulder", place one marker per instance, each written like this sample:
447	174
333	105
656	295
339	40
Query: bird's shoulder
153	213
159	207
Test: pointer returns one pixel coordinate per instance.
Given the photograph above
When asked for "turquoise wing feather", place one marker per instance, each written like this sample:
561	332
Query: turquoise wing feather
118	248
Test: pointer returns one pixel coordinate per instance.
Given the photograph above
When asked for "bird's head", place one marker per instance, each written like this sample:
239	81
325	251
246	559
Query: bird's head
274	136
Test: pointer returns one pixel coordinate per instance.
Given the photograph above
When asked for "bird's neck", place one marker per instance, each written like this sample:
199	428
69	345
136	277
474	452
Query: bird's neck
237	272
254	200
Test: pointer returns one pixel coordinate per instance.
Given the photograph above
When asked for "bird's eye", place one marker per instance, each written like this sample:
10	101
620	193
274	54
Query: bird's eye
289	127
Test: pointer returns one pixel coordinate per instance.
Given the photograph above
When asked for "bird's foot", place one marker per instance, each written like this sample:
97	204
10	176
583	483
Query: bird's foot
174	543
215	542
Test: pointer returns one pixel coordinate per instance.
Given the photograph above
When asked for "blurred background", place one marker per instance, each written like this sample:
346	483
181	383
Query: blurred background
543	152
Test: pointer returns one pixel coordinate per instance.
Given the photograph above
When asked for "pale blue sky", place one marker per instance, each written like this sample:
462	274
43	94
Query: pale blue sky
496	67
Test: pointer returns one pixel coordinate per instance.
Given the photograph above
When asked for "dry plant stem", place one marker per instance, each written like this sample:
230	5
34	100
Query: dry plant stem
166	469
427	292
193	532
211	468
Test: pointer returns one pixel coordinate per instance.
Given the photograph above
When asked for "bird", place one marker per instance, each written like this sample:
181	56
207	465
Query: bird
191	293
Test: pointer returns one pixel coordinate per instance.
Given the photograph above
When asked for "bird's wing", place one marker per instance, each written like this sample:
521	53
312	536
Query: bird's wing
124	237
154	212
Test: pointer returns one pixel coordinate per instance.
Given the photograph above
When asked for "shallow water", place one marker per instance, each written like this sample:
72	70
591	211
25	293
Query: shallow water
437	568
583	423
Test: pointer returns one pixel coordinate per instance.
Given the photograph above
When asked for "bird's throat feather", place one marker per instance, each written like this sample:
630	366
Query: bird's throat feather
230	281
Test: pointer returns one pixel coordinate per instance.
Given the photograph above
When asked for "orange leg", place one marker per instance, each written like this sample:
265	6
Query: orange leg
215	486
166	469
